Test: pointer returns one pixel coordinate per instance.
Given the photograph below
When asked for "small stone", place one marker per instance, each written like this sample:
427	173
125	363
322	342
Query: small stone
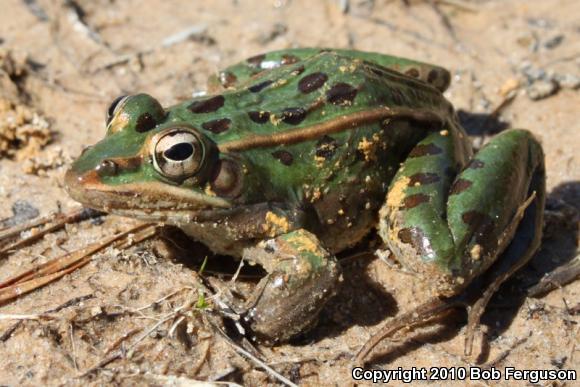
533	73
568	81
541	89
553	42
23	211
540	23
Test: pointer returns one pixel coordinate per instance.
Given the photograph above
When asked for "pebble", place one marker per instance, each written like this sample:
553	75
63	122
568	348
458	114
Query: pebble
553	42
541	89
23	211
568	81
533	73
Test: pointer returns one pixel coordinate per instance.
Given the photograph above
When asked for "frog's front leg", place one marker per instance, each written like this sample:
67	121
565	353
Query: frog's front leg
450	227
302	277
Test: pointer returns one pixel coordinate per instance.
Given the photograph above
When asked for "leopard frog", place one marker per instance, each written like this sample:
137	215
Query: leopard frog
296	155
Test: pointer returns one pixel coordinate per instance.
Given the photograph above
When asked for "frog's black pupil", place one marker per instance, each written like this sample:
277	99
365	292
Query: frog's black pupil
179	152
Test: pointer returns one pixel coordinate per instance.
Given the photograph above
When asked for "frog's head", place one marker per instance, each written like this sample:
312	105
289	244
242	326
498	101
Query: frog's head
153	166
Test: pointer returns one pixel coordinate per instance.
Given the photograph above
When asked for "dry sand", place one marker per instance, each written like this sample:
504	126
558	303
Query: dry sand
62	62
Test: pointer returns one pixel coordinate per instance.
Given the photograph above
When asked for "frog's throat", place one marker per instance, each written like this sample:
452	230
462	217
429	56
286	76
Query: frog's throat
341	123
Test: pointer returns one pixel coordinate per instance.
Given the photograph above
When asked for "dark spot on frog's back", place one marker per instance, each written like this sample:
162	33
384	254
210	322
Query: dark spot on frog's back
208	105
227	79
260	86
259	117
413	201
289	59
425	150
217	126
256	61
459	186
298	70
326	147
440	79
423	179
293	116
145	122
412	72
312	82
432	76
285	157
341	94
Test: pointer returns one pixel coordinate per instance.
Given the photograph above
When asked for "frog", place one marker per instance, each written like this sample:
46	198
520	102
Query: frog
293	156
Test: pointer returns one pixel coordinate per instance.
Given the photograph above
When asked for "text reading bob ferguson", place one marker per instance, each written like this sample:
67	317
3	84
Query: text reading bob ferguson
408	375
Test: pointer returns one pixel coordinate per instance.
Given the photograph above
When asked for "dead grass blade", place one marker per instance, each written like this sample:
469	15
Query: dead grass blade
56	268
50	223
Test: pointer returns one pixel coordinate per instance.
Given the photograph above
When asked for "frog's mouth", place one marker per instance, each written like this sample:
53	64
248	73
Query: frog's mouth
150	201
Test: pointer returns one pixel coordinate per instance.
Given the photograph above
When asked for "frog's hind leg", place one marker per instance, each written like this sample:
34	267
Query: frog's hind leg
450	229
495	213
415	210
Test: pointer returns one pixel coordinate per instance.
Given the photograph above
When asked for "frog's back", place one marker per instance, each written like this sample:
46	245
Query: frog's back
302	122
307	92
436	76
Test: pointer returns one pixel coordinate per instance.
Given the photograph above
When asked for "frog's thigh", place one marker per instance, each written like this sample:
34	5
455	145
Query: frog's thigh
302	276
450	234
413	220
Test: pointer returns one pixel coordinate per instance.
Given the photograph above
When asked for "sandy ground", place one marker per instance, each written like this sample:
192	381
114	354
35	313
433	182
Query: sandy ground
62	62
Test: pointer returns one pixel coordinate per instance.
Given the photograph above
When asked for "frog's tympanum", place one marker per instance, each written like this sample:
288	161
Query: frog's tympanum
296	155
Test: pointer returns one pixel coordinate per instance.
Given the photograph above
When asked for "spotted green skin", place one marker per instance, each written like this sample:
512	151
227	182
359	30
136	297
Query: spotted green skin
324	145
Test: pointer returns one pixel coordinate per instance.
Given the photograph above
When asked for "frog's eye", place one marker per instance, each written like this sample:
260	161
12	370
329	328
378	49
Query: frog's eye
178	154
114	107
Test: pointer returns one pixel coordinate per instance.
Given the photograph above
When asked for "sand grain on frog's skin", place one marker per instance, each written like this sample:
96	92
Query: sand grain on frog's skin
275	225
396	194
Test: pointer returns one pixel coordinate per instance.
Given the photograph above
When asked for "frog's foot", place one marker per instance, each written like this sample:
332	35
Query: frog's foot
520	250
518	253
302	277
424	313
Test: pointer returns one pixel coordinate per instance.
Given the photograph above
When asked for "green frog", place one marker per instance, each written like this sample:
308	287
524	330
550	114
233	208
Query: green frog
295	155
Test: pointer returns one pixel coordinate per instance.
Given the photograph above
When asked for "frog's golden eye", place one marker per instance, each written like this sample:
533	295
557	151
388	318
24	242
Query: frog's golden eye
115	106
178	154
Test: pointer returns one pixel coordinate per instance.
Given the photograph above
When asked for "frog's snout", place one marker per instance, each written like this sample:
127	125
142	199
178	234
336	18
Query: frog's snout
75	184
87	188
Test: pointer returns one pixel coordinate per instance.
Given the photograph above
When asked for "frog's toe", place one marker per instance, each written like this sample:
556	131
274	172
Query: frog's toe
424	313
302	278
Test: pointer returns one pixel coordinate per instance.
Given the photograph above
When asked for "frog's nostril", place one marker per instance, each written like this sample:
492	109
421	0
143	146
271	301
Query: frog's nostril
107	168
